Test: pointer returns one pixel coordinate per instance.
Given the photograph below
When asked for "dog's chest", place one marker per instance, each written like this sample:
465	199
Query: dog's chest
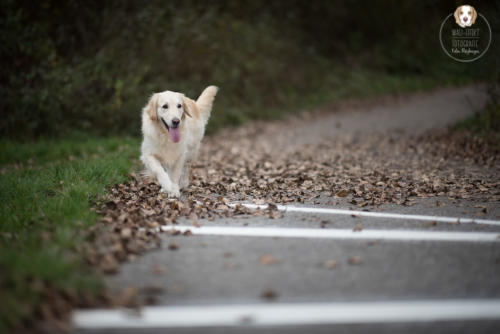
170	153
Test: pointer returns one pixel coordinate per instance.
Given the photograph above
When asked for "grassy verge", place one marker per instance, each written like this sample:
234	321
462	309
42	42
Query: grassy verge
339	85
44	206
47	189
485	123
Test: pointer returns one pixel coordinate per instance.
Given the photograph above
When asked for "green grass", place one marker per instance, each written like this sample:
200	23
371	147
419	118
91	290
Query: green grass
50	150
44	207
485	123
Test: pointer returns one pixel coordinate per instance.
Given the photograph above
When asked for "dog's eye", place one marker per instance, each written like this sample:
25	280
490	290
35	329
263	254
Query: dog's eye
178	106
165	106
469	13
461	13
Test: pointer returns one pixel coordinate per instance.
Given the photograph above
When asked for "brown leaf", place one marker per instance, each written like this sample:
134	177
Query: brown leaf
173	232
330	264
123	217
259	201
126	233
269	294
128	298
355	260
158	269
108	264
275	214
267	259
230	265
342	193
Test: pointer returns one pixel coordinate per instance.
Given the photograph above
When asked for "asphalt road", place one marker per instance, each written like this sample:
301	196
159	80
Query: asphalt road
232	271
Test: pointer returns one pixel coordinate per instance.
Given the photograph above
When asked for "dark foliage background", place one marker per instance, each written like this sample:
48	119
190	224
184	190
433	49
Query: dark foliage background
89	66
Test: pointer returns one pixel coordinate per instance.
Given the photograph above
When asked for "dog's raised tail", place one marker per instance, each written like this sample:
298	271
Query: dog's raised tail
206	100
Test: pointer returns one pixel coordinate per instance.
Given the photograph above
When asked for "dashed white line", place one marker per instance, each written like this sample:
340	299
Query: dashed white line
405	235
442	219
289	314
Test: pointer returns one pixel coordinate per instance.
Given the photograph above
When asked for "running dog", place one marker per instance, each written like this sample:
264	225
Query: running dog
173	126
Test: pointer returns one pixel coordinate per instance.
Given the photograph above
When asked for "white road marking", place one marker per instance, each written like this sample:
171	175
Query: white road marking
441	219
289	314
336	233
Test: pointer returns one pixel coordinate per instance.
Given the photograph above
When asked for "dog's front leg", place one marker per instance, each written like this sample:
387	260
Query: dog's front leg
163	178
177	171
184	181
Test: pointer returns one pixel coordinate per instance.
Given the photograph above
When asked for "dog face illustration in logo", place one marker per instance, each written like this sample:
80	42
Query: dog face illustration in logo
465	16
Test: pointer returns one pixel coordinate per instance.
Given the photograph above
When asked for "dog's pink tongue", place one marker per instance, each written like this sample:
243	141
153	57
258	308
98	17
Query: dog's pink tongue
175	134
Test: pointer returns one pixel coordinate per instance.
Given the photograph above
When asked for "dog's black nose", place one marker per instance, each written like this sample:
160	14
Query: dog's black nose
175	122
465	19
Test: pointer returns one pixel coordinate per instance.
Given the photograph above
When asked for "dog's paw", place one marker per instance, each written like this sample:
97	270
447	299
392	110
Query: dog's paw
172	191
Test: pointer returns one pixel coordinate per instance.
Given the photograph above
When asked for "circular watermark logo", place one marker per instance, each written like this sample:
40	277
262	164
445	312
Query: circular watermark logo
465	35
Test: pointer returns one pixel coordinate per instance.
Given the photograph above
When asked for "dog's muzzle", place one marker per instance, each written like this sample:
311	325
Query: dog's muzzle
175	122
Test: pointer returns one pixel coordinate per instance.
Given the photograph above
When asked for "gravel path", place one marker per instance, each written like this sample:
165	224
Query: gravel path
390	155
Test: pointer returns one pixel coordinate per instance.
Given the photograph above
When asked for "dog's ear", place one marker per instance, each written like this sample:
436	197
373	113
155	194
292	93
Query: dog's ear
474	15
457	15
151	107
189	106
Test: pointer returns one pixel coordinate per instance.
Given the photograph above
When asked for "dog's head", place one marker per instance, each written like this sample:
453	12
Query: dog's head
465	16
169	110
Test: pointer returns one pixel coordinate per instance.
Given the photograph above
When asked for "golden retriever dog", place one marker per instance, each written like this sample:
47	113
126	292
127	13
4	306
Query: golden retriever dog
465	16
173	126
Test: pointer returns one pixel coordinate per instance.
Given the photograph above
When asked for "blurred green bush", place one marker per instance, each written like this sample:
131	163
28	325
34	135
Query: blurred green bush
90	65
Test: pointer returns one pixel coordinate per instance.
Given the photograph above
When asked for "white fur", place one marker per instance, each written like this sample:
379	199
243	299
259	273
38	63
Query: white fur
465	16
164	159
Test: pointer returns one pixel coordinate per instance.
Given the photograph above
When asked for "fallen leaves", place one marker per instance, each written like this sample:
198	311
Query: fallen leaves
342	193
358	228
323	223
128	298
150	293
126	233
330	264
267	259
173	245
355	260
484	208
109	264
158	270
269	294
275	214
